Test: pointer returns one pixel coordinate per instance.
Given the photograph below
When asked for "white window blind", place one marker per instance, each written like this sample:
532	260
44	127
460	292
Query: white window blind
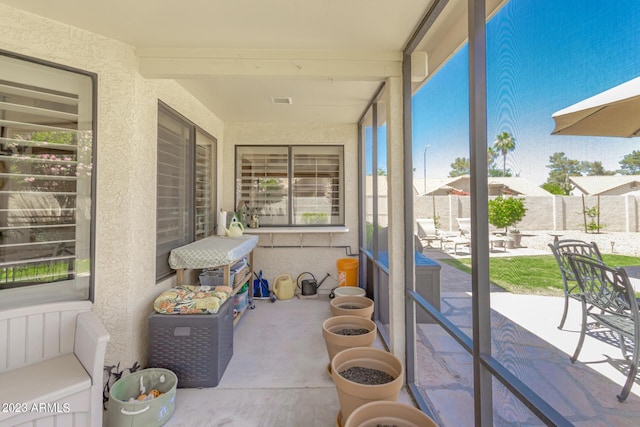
317	185
291	185
46	148
262	182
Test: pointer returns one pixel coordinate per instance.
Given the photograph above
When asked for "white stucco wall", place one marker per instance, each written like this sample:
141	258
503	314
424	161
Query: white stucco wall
295	261
126	167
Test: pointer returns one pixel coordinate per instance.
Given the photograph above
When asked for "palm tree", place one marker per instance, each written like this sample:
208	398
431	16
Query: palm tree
504	143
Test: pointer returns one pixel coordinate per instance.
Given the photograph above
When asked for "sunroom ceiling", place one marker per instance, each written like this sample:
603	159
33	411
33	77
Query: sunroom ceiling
329	56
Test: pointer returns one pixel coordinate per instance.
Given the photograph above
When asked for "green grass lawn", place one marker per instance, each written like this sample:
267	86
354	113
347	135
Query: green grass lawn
538	275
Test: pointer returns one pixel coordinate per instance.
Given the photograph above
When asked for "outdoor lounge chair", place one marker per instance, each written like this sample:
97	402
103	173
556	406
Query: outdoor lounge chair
464	237
608	289
427	232
562	248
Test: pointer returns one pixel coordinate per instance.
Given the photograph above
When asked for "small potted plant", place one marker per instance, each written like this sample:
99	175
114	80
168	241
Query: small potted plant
515	237
505	212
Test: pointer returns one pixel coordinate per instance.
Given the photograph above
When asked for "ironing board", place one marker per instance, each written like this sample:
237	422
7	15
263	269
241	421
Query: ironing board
213	251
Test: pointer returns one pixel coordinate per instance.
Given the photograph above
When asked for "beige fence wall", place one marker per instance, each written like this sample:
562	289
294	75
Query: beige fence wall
617	213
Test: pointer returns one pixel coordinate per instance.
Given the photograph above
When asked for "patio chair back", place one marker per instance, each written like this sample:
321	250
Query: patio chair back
426	228
561	250
606	288
427	231
608	291
565	247
464	226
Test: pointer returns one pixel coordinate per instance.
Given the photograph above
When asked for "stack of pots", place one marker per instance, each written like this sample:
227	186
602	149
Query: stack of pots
349	312
356	351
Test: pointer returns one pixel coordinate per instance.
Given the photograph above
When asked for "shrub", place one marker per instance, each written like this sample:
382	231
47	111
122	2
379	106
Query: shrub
504	212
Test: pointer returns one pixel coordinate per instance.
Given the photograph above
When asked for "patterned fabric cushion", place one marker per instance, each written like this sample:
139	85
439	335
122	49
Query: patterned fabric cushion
192	300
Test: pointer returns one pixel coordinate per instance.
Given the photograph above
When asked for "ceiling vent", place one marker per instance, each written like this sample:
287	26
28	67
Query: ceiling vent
281	100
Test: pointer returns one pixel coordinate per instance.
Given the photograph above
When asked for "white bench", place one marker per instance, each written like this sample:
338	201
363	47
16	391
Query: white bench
51	365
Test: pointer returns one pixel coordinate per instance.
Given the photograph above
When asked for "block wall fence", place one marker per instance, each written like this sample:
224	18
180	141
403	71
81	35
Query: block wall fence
557	213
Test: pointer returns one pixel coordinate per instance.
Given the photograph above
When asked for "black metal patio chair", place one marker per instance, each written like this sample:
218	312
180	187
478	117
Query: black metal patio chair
609	290
561	249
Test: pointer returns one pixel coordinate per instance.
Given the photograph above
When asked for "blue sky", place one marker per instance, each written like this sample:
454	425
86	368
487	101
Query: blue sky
542	56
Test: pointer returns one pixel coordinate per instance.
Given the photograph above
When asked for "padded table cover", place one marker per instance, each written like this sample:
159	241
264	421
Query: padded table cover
213	251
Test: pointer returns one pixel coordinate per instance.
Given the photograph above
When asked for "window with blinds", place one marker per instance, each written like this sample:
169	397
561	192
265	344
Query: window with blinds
185	187
205	185
291	185
46	181
174	187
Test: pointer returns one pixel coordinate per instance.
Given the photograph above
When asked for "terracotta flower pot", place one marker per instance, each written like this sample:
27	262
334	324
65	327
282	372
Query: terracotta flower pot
337	342
352	306
388	413
351	394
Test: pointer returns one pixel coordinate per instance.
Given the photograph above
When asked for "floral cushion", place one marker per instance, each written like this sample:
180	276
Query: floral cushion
192	300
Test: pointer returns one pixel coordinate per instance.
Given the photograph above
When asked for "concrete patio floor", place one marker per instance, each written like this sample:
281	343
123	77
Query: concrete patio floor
277	376
526	340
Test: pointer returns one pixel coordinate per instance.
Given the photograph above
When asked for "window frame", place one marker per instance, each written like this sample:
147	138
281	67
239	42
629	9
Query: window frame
485	367
290	197
191	209
21	296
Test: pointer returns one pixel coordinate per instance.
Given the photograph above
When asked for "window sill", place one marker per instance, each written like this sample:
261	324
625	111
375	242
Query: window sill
301	231
296	230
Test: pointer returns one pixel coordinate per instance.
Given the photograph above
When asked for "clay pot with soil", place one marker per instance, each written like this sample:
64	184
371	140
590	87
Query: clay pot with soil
342	332
384	413
364	375
352	306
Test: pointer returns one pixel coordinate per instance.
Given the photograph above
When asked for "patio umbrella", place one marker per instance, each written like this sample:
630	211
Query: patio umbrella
614	112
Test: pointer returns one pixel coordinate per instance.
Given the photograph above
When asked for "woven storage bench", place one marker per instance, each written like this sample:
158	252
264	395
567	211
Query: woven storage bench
197	347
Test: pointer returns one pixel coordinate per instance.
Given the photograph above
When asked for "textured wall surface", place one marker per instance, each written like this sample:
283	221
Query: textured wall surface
294	261
126	167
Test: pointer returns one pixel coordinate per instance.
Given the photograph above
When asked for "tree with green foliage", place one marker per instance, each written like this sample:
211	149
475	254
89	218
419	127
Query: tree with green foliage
492	165
630	163
460	166
594	169
382	172
504	143
553	188
561	169
504	212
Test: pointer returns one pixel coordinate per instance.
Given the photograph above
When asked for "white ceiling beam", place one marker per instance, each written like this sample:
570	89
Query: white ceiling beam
205	63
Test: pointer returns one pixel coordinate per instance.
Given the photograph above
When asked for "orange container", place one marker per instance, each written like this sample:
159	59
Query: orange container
347	272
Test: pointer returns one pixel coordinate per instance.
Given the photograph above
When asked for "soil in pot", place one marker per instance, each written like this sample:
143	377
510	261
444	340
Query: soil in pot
367	376
342	332
351	394
352	331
